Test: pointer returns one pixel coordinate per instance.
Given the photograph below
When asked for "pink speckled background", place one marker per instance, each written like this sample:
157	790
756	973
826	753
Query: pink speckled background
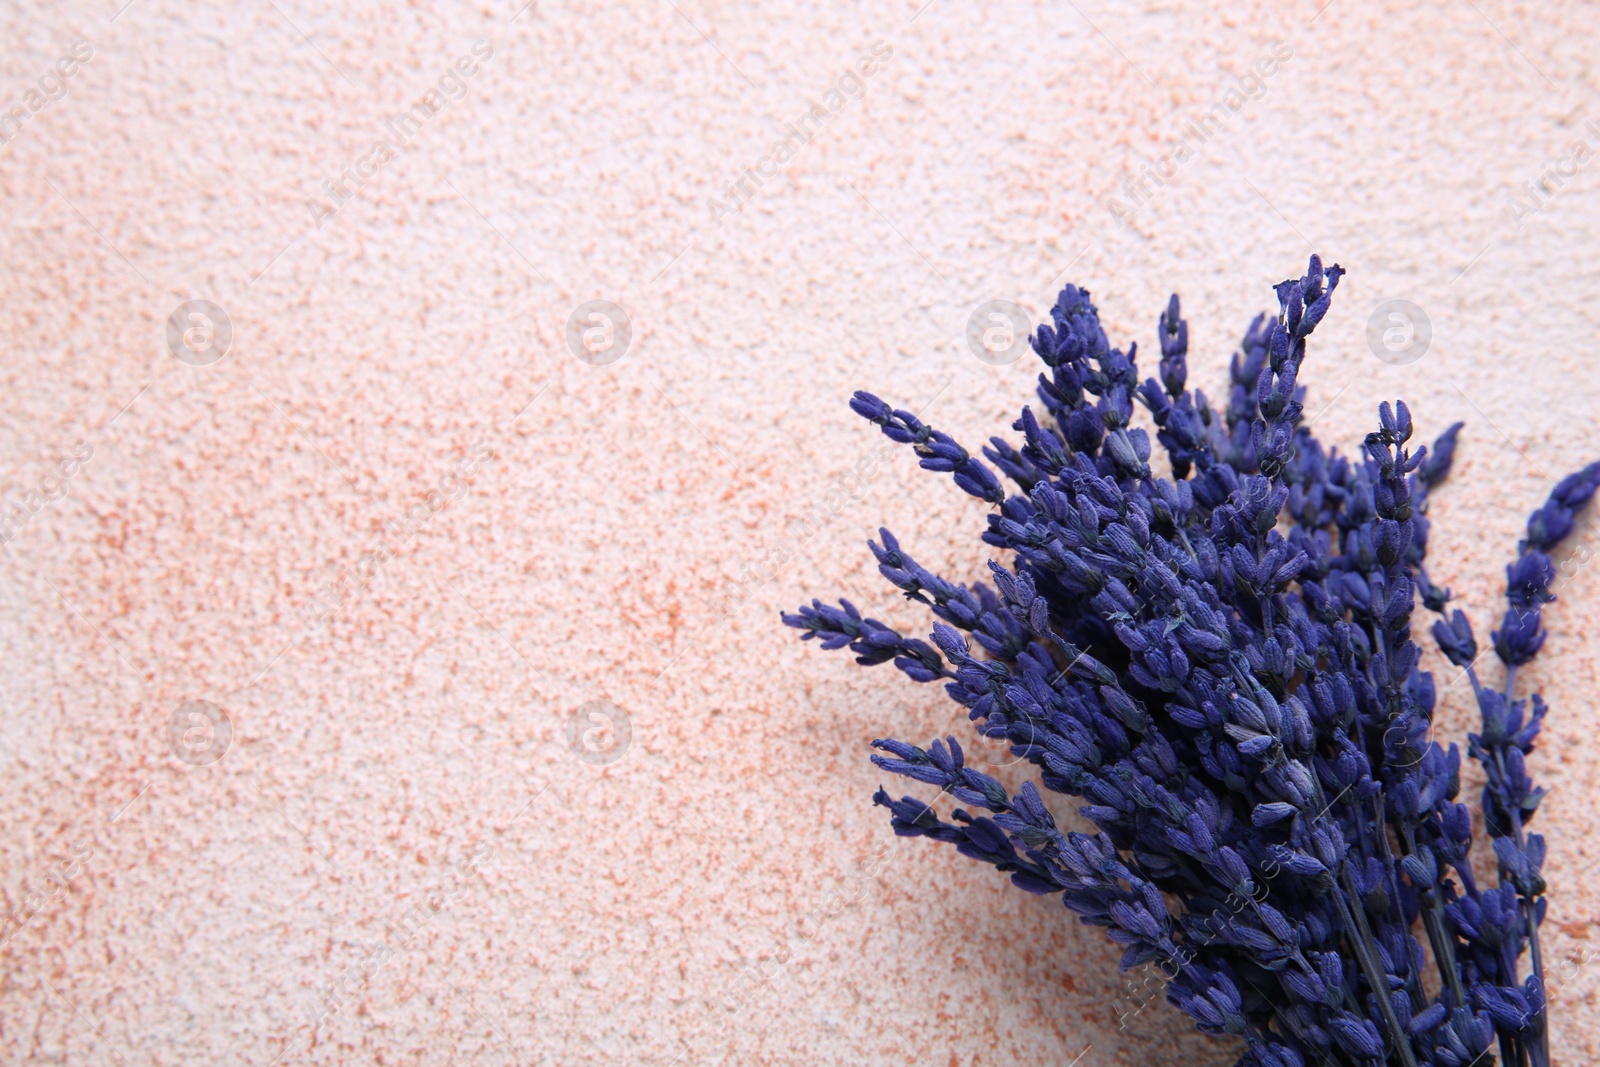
723	893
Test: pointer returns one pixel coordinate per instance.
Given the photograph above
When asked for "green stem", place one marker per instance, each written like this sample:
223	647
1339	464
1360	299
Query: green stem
1444	949
1366	954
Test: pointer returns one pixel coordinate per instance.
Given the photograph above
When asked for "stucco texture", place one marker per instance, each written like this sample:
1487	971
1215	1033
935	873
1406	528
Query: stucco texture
400	535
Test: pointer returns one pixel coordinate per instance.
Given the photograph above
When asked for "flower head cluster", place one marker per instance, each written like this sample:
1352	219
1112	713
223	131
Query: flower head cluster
1220	665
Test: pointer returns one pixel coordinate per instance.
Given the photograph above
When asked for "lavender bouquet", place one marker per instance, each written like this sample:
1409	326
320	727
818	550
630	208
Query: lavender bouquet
1221	666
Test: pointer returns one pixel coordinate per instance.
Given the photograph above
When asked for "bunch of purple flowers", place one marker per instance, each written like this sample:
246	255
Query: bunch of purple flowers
1221	666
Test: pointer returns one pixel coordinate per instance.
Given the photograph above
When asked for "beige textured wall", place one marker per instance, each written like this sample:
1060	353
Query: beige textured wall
722	893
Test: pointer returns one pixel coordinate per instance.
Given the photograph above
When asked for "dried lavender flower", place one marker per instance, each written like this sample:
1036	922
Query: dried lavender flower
1220	665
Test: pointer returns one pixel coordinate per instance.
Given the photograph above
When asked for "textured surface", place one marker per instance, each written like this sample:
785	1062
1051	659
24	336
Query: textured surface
723	892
